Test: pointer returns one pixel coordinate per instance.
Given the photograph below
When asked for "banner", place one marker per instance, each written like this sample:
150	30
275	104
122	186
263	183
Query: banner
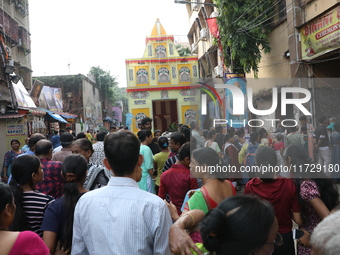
213	26
321	35
22	96
36	90
53	98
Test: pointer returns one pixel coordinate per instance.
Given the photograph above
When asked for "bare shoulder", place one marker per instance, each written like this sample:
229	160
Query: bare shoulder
7	240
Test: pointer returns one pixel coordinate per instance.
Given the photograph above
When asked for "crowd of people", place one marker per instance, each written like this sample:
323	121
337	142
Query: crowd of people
121	193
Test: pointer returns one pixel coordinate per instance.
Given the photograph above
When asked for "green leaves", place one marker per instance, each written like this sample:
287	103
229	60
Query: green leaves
244	31
183	51
108	86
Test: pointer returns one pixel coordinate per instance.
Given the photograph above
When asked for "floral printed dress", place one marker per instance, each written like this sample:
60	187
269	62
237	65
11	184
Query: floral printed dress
308	191
8	159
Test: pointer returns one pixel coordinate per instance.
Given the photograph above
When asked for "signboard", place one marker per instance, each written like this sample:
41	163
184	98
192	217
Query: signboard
321	35
22	96
15	129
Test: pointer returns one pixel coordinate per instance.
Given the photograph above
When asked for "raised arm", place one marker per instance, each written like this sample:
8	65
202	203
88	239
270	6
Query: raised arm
180	241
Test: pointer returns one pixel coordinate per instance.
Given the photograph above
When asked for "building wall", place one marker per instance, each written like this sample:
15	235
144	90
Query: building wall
286	38
16	28
275	64
80	96
315	8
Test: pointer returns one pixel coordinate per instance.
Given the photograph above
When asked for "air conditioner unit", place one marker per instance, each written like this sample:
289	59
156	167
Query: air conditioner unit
218	72
203	34
213	15
195	7
194	48
9	51
20	42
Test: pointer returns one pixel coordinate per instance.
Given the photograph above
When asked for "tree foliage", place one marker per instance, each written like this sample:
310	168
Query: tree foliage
183	51
108	87
244	27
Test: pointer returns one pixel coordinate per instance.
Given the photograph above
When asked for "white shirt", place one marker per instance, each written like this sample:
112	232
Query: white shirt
57	149
121	219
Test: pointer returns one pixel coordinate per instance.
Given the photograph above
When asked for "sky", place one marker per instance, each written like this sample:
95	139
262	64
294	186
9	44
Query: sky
71	36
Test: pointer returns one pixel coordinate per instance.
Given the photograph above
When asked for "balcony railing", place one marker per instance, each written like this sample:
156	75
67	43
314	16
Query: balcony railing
9	27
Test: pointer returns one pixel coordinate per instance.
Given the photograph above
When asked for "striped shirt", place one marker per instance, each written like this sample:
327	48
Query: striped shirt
121	219
34	204
169	162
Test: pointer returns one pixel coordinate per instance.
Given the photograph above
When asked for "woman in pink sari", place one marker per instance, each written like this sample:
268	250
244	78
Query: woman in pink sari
12	242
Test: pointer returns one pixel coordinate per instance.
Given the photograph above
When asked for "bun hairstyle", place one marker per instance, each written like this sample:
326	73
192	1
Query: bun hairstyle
238	225
163	142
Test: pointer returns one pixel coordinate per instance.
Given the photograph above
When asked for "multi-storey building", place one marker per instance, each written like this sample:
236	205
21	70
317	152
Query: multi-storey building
15	38
305	43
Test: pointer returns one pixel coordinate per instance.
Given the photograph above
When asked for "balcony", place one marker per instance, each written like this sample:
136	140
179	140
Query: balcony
9	27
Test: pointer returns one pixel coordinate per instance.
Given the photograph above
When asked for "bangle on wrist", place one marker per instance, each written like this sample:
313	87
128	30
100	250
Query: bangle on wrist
192	218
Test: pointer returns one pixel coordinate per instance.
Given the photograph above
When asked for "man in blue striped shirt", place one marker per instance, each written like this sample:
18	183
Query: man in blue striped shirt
120	218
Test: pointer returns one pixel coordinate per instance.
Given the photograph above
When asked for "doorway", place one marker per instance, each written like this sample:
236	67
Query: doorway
164	114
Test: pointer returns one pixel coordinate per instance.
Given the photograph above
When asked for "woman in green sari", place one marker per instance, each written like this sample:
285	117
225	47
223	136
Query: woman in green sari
213	191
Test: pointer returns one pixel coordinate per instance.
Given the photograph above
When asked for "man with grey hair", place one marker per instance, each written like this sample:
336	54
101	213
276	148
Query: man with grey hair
66	140
325	239
332	120
194	132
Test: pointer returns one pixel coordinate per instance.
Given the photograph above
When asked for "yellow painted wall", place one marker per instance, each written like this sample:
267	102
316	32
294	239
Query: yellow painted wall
135	112
133	67
136	68
166	44
316	8
184	108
